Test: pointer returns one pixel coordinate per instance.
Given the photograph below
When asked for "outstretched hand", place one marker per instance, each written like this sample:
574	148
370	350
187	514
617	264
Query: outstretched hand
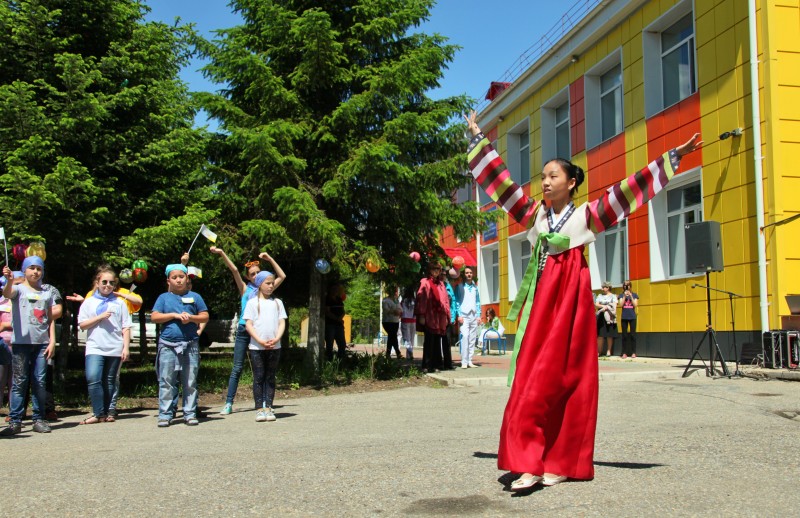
693	144
472	123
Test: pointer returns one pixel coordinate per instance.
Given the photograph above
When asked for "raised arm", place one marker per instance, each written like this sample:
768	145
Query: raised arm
279	275
237	277
491	173
631	193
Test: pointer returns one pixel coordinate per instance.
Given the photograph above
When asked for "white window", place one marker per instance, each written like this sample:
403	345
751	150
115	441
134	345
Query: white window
519	153
671	210
669	59
603	100
555	127
519	255
484	198
490	266
611	102
608	256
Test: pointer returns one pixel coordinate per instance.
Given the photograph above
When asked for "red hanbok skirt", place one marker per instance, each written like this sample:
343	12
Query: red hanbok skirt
551	415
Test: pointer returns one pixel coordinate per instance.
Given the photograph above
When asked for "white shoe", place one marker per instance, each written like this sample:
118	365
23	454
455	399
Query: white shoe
261	416
524	482
470	364
552	480
463	366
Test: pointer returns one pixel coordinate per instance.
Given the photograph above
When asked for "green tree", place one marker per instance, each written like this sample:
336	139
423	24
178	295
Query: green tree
363	306
96	131
329	132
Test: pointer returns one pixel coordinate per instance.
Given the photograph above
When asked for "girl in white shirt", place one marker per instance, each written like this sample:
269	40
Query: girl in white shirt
265	321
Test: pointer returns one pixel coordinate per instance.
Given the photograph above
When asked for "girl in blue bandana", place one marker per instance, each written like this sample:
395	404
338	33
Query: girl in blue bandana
106	318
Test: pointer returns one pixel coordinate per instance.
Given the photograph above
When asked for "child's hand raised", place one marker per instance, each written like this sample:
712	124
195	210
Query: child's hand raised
215	250
7	273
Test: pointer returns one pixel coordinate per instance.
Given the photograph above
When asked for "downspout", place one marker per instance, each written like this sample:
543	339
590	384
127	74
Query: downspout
757	163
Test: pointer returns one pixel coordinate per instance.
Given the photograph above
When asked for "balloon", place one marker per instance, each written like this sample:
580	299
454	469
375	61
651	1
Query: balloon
36	248
458	262
19	252
139	275
414	256
126	276
140	263
322	266
453	273
372	266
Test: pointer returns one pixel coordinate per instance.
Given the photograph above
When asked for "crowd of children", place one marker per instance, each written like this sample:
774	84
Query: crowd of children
29	309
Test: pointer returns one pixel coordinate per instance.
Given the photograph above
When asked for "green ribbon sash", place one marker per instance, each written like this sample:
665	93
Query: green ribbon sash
524	298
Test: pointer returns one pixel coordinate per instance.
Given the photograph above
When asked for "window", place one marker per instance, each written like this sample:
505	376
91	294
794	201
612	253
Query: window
555	127
684	206
490	266
611	102
608	256
680	204
519	153
603	100
484	198
519	254
670	68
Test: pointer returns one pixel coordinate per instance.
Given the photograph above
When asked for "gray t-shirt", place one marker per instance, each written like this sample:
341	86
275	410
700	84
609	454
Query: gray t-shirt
29	313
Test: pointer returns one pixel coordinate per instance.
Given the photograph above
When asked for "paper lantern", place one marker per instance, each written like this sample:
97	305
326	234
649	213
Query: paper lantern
36	248
414	256
139	275
372	266
126	276
140	264
19	252
458	262
322	266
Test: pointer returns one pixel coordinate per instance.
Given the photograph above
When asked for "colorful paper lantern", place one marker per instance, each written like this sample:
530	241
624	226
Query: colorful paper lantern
372	266
126	276
322	266
19	252
414	256
458	262
140	264
36	248
139	275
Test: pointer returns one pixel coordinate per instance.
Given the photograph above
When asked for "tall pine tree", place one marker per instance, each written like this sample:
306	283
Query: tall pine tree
329	132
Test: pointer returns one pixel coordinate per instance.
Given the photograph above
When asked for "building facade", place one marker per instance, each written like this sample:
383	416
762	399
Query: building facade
631	80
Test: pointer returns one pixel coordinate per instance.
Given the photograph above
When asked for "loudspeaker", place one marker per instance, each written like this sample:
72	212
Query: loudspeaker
703	247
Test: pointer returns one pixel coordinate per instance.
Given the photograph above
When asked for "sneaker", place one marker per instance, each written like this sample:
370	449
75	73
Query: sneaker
227	409
463	366
192	421
271	416
41	426
11	429
624	356
470	364
163	423
261	416
608	353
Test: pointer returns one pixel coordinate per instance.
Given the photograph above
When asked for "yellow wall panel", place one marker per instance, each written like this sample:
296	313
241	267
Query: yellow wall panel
707	55
708	98
728	118
704	28
614	39
788	71
785	26
636	48
723	17
726	52
731	236
650	11
702	7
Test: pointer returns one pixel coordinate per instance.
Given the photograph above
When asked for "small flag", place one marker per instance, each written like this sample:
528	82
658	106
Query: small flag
196	272
2	233
208	234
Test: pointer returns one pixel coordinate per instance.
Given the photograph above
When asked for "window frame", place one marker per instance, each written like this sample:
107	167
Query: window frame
490	273
598	265
653	55
515	148
550	125
516	263
659	227
592	96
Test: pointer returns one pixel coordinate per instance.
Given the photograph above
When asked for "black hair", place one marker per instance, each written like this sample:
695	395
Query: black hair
572	170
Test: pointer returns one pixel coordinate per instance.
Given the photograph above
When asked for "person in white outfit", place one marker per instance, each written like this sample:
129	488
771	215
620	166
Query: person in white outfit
469	315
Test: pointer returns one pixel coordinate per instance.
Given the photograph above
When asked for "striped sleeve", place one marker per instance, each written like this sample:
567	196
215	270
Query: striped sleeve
492	175
625	197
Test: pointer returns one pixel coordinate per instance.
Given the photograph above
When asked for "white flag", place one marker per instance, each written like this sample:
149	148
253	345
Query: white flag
197	272
208	234
2	233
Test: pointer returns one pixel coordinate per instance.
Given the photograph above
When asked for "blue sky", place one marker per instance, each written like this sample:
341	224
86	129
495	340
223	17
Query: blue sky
492	35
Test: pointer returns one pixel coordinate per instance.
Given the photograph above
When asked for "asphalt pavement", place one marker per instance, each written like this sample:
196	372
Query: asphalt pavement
666	446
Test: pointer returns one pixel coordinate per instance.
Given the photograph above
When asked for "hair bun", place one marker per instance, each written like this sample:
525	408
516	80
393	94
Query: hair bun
579	176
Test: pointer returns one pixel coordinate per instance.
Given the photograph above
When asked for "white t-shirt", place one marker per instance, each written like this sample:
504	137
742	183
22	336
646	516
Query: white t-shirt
105	338
265	314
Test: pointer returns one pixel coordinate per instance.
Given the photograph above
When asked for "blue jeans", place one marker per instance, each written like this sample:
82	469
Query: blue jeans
239	354
101	376
187	365
30	367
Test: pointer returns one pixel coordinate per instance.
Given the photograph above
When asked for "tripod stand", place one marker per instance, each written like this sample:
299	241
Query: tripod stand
711	335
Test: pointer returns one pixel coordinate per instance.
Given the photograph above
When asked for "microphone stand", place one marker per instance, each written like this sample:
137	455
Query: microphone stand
731	295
